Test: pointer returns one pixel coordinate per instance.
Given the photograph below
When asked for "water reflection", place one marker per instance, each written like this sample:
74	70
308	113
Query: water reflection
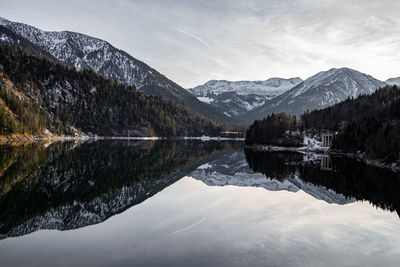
279	173
207	204
67	185
71	185
348	177
326	163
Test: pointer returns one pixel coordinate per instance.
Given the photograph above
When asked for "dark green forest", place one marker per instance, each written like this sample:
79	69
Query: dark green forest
37	93
369	124
271	130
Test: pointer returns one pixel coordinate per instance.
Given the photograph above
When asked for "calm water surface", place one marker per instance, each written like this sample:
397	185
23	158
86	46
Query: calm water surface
192	203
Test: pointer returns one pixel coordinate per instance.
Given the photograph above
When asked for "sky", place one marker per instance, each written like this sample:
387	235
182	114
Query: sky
194	41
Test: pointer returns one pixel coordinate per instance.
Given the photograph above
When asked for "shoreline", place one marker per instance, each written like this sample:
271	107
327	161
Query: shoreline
395	167
8	139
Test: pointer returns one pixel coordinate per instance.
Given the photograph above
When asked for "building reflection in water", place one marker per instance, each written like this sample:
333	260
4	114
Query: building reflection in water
326	163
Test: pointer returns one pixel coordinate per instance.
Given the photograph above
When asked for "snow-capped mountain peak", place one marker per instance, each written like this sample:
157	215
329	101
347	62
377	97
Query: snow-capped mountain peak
355	83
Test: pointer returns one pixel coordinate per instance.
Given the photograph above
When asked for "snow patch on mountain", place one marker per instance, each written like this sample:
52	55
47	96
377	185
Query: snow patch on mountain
393	81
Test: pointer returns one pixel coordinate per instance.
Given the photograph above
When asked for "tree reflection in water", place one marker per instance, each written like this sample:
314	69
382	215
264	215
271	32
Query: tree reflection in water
349	177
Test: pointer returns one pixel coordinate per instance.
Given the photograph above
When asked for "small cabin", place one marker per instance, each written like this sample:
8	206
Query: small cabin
327	138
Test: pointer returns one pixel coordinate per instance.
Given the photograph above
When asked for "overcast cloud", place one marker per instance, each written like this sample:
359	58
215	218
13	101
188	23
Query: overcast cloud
194	41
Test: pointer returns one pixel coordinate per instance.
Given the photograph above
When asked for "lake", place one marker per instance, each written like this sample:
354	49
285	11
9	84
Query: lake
192	203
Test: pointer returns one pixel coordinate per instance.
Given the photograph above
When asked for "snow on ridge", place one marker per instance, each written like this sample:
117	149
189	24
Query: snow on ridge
353	80
272	85
393	81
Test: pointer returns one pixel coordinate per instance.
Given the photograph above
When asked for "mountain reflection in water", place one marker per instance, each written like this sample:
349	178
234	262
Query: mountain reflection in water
67	185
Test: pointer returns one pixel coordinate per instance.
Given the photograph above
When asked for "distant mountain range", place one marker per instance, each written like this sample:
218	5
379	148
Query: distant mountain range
238	98
85	52
254	100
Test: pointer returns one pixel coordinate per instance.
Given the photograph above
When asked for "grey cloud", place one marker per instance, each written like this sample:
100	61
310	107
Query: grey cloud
195	41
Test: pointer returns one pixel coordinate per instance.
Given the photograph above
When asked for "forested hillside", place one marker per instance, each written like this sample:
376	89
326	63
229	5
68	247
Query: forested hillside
369	123
85	52
38	94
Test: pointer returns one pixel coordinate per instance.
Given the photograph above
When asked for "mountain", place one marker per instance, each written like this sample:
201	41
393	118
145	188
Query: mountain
231	168
393	81
38	96
85	52
238	98
321	90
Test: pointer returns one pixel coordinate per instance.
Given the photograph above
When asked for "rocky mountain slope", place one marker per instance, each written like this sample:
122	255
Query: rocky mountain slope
321	90
85	52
